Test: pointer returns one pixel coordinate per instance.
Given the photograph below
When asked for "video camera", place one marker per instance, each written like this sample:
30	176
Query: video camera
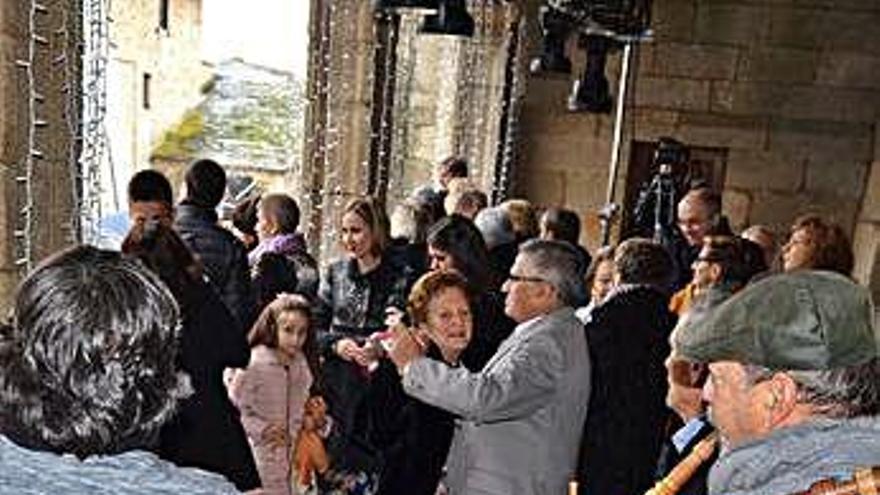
655	210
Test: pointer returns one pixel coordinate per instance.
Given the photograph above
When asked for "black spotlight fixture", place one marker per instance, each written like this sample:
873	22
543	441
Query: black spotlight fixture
622	17
555	28
390	5
591	92
452	18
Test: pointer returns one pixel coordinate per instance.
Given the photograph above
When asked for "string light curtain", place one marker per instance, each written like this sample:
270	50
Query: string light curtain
457	95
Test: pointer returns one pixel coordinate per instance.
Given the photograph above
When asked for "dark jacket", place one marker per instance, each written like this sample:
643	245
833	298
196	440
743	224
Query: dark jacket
352	305
206	432
413	437
292	247
223	256
501	258
491	326
670	457
624	431
413	255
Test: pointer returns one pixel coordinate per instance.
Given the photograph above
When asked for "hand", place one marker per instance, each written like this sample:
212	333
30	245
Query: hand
366	354
406	346
393	316
275	435
347	349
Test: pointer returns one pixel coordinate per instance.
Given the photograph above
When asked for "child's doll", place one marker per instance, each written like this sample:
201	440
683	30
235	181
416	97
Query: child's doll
309	455
273	389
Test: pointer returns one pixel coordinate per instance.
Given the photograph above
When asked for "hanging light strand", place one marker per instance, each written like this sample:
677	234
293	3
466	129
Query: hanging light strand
71	90
512	103
94	132
405	77
24	180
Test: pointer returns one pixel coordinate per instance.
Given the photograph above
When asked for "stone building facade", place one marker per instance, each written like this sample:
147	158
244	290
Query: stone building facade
154	75
781	97
786	93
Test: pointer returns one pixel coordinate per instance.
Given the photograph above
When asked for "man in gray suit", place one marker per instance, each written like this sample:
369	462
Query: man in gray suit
522	415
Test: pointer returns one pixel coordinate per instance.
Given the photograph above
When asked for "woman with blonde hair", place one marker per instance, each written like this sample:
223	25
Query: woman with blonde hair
354	296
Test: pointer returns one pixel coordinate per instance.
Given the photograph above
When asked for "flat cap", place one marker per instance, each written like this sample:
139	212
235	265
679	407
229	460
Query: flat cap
806	320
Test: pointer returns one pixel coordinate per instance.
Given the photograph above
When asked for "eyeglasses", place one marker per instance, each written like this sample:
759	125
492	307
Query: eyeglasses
519	278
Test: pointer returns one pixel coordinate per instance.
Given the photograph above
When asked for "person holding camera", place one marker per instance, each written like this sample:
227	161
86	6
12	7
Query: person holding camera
413	436
521	415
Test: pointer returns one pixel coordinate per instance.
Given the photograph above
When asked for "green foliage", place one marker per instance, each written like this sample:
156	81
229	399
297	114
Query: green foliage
181	140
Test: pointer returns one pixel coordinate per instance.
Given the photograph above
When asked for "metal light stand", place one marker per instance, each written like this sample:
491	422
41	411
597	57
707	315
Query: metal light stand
609	212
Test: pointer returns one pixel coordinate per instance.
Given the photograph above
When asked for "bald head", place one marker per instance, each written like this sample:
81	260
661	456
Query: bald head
698	212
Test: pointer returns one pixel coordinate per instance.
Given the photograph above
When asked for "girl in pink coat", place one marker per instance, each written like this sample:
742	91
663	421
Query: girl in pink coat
273	389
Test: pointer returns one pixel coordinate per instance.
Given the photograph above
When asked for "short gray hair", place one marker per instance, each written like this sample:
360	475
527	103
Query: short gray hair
495	226
846	392
559	264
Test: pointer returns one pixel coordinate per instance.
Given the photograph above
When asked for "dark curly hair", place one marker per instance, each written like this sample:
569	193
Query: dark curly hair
89	361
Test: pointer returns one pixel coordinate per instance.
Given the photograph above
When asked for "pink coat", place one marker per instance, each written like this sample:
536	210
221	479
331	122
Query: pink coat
268	392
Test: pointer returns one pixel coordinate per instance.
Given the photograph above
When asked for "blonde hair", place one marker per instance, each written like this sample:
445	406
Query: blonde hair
373	214
522	216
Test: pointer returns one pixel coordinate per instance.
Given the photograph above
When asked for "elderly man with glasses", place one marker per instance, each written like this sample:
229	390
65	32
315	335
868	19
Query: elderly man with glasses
522	415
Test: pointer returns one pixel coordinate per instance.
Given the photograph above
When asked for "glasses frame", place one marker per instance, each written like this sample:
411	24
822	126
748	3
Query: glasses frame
522	278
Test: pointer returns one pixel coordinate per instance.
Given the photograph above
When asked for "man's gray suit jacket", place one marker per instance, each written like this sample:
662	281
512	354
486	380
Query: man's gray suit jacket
521	416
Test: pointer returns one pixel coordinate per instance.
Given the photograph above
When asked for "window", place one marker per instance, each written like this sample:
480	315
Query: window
163	14
705	165
146	90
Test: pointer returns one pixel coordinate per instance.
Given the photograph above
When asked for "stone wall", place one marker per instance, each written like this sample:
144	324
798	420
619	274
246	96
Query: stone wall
173	59
458	112
50	194
792	90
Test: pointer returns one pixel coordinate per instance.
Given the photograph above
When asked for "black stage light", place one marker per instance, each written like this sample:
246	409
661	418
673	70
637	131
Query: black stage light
387	5
622	17
452	18
591	92
555	28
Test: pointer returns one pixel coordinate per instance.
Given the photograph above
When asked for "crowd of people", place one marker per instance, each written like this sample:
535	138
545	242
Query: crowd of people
455	348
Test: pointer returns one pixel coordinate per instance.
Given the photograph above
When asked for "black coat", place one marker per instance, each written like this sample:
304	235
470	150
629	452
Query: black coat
352	305
491	326
206	432
223	256
413	437
627	340
501	258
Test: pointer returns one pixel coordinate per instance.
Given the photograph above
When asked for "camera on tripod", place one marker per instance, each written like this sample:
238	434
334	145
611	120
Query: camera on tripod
655	210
